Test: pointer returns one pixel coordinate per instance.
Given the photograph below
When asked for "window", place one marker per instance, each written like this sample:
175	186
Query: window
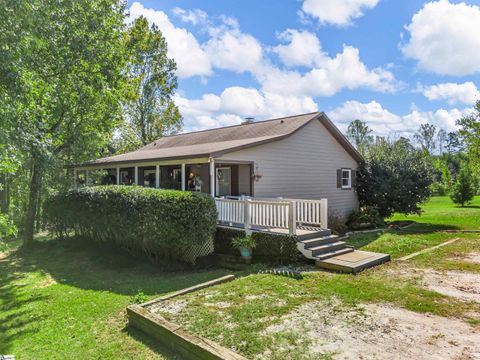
346	178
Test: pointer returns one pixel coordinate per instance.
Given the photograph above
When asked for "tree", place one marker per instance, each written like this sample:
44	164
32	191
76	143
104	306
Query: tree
463	190
470	134
358	133
426	137
61	79
453	142
151	112
441	140
395	177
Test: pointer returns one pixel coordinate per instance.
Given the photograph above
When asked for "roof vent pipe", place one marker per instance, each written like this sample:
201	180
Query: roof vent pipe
248	120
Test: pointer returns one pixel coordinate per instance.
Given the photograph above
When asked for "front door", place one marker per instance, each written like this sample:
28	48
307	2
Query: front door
224	181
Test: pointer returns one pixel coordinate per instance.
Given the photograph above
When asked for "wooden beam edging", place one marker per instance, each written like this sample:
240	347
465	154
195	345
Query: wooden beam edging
407	257
190	289
175	336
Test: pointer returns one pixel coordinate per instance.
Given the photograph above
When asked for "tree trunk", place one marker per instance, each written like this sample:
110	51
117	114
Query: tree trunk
4	194
35	186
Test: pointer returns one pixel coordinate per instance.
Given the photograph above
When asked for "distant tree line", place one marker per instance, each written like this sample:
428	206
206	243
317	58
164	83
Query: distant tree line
399	174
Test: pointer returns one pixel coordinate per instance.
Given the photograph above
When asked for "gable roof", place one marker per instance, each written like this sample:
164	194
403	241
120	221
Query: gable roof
216	142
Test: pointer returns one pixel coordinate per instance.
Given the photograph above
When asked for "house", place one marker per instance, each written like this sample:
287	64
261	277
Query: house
297	157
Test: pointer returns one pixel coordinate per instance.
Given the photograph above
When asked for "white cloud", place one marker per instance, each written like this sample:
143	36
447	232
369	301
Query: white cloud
329	76
340	13
236	103
453	93
303	48
386	123
443	38
195	17
234	50
191	59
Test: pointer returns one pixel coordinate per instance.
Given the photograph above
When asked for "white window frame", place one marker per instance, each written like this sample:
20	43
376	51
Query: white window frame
349	185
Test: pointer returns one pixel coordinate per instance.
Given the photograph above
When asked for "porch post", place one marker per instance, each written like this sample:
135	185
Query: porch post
292	218
75	178
136	175
324	213
157	176
87	177
118	176
183	177
212	177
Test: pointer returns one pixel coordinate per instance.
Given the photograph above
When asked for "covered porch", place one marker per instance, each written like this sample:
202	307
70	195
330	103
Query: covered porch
217	178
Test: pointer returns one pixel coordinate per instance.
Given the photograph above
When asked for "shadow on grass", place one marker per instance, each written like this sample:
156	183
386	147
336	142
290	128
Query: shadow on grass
152	343
16	317
88	265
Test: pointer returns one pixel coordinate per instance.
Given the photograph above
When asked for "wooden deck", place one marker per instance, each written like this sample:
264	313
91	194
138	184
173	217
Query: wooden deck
354	262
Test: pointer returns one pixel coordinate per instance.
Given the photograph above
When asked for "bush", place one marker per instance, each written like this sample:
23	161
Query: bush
365	218
165	224
463	189
395	177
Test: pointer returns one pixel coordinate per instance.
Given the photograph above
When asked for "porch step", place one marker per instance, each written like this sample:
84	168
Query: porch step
327	248
314	234
334	253
319	241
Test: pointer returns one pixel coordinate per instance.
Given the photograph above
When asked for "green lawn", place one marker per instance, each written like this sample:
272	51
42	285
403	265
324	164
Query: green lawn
440	211
66	299
438	214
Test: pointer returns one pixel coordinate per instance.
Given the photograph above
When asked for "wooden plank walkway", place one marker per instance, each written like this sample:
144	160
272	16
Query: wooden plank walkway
353	262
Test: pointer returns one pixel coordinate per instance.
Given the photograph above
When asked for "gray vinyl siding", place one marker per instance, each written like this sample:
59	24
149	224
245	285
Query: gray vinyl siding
303	165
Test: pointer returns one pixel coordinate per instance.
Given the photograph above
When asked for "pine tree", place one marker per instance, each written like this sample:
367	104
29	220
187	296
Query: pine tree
463	191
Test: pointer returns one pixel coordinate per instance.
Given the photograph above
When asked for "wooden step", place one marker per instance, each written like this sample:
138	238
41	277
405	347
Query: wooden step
319	241
321	249
314	234
334	253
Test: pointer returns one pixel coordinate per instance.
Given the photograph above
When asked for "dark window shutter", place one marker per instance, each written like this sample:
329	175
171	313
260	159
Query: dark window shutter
354	178
339	178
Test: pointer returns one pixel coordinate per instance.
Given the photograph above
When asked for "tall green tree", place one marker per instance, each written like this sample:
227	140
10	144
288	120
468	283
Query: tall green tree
470	134
395	177
151	112
61	78
425	136
463	188
359	134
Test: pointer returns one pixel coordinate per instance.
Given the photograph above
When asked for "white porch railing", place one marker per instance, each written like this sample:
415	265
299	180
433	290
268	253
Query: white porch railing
272	213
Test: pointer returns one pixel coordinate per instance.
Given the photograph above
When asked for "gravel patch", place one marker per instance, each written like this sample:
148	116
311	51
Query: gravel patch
379	331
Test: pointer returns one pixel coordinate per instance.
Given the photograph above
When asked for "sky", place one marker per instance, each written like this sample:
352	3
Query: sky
395	64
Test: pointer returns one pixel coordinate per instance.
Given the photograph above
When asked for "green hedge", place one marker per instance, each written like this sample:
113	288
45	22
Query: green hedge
166	224
270	247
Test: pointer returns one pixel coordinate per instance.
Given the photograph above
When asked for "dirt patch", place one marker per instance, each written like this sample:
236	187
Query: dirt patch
473	257
170	307
379	331
461	285
48	281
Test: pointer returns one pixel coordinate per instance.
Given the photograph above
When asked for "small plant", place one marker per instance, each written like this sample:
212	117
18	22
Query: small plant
138	298
247	242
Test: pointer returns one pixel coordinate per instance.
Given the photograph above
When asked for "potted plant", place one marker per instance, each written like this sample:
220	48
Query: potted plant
245	244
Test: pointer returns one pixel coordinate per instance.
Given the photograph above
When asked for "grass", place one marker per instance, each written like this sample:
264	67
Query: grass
66	299
437	215
442	212
237	314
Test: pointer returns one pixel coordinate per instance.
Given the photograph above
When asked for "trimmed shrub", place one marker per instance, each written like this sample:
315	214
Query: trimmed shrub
366	217
167	224
270	247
